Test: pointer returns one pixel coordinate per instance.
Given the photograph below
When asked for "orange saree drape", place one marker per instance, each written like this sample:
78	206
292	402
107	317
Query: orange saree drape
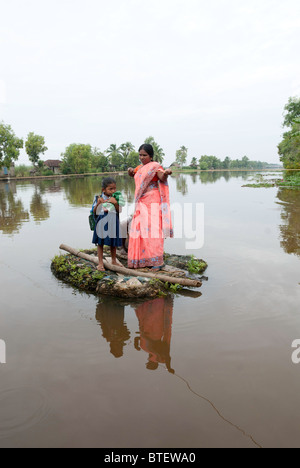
151	222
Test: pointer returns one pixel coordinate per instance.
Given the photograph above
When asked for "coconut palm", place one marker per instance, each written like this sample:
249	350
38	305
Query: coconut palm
126	149
181	155
115	155
158	151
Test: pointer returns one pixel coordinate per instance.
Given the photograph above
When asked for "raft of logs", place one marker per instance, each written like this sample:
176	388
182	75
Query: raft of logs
79	269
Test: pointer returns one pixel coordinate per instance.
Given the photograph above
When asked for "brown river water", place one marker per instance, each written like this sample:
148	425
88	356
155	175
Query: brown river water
80	371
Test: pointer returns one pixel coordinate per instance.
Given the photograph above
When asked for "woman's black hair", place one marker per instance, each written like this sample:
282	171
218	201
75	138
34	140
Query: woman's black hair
148	148
107	181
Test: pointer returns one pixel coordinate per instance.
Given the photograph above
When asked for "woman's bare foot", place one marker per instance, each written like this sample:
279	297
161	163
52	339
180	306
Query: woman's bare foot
100	267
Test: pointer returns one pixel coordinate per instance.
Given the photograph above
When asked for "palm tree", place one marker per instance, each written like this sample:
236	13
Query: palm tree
115	156
181	155
126	149
194	163
158	151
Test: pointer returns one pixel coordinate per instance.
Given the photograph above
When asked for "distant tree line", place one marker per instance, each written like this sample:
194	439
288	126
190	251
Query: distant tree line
289	148
206	163
11	145
76	159
212	162
79	159
83	158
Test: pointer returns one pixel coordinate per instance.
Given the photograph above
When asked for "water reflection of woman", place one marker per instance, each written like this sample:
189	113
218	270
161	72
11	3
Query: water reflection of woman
110	316
155	322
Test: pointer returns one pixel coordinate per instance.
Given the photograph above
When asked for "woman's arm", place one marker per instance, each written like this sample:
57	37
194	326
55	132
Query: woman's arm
163	175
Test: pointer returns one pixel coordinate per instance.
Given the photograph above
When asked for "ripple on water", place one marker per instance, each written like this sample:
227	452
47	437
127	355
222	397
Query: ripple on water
20	409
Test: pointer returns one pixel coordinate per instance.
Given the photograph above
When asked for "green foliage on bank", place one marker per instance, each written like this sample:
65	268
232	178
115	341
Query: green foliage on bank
35	146
10	145
27	171
291	179
289	147
83	159
79	158
213	163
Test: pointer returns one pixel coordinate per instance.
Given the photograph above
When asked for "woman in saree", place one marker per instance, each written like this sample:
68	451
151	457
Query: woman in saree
151	222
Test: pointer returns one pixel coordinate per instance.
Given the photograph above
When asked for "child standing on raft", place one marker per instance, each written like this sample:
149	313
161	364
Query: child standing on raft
106	209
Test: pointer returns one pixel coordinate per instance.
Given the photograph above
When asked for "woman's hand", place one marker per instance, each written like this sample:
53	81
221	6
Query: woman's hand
131	172
163	175
168	172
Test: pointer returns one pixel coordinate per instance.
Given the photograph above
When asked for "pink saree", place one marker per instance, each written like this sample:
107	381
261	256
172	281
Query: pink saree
151	222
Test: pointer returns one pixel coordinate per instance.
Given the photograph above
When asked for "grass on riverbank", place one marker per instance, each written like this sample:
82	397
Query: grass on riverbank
290	179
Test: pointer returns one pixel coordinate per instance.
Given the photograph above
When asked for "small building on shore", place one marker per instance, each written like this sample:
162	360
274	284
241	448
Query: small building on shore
8	171
53	165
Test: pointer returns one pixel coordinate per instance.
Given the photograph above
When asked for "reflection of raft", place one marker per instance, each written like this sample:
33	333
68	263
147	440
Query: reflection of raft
80	270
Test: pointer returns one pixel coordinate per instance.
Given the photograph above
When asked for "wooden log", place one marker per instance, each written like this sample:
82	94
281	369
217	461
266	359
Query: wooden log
130	272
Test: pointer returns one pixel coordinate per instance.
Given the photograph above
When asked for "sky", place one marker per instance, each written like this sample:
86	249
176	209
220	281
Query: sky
212	76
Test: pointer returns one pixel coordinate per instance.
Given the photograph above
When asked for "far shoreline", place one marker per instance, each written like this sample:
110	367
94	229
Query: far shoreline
175	171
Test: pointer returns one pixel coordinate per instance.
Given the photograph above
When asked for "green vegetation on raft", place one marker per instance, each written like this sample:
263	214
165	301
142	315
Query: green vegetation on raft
170	287
188	262
83	275
67	268
196	266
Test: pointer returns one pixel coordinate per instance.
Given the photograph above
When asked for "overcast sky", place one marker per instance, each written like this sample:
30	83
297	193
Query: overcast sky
213	76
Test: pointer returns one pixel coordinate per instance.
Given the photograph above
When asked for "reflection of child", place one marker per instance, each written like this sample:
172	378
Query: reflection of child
106	208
